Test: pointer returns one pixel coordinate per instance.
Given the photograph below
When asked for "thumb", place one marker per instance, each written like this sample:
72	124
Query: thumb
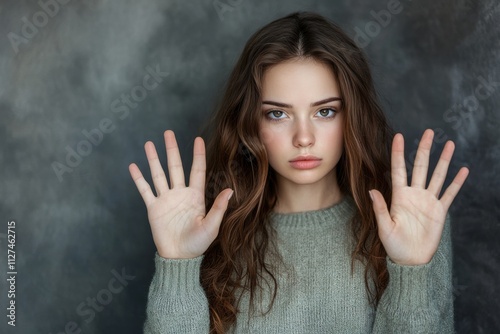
384	220
214	217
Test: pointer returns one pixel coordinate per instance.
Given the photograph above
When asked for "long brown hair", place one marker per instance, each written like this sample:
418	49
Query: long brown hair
238	259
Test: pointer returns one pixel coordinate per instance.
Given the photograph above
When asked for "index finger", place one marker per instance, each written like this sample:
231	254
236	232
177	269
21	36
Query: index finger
398	167
199	166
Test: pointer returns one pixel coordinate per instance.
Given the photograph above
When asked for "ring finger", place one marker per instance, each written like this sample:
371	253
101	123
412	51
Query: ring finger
157	173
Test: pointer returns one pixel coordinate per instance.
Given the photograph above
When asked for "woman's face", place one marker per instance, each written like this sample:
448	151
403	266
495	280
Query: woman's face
301	115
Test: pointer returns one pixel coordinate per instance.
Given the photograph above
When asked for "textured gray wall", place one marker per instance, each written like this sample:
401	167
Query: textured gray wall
436	64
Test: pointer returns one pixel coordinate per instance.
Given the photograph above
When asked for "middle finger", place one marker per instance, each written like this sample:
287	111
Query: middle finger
175	170
419	175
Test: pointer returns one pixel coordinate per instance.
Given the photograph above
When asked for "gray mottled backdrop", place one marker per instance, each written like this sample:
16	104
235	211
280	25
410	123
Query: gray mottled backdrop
84	84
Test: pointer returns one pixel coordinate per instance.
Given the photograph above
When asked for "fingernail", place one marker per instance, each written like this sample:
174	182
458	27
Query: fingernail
231	194
371	196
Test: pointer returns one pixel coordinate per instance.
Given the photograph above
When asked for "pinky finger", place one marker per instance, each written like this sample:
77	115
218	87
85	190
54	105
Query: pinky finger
141	184
454	187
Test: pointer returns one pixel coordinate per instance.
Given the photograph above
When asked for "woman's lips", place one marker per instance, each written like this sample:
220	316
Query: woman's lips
305	162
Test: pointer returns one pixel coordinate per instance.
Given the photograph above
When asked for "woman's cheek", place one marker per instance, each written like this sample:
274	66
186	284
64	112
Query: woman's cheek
271	132
266	135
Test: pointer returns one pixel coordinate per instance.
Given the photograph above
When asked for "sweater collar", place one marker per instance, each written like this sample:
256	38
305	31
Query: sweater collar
340	211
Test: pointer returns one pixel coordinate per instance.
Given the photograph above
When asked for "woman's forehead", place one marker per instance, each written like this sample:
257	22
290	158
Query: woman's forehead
296	80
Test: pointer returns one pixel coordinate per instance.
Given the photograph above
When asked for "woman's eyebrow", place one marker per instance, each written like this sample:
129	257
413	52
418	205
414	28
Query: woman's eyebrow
318	103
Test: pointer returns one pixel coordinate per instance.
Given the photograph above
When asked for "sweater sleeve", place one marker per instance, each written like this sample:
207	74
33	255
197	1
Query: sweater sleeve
419	299
176	301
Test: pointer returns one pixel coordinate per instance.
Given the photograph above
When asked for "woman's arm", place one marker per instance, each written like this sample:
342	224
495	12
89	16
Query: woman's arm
415	233
176	300
419	299
182	231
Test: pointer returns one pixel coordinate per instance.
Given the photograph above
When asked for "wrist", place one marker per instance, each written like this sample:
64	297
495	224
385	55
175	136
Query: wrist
409	262
175	255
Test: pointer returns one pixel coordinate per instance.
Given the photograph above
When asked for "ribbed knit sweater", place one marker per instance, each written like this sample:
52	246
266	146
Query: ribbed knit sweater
319	294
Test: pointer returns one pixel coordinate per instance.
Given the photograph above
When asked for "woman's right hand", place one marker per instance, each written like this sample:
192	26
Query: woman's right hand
180	226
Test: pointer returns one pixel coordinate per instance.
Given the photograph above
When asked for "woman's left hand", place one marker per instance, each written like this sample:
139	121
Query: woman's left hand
411	230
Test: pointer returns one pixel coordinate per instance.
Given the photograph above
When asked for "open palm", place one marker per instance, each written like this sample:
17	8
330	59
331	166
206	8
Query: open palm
411	230
176	214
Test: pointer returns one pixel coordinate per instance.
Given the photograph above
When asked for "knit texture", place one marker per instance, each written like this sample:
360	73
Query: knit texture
316	291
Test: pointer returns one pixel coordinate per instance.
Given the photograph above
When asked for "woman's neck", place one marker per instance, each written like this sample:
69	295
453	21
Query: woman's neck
294	197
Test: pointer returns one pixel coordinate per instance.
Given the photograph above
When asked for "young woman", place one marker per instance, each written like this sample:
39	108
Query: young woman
306	222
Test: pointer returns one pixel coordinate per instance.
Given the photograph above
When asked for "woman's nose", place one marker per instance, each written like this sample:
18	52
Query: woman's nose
303	133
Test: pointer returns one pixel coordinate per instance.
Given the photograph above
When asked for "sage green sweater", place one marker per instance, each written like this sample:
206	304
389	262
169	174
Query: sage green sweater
319	294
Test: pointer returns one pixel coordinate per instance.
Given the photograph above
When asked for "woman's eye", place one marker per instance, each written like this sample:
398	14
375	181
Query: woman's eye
325	112
276	113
